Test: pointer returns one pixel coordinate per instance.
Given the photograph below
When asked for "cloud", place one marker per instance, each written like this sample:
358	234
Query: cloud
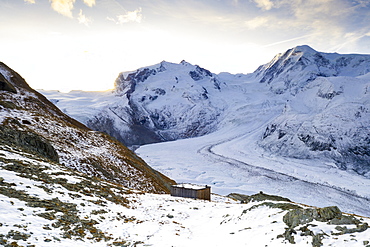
350	39
111	19
82	19
320	16
128	16
30	1
330	24
264	4
257	22
131	16
63	7
89	3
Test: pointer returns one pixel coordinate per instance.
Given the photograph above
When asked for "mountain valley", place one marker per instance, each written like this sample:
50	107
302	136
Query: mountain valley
301	120
298	127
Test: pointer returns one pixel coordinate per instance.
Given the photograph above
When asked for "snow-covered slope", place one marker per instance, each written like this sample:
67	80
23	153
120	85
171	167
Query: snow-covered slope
46	204
301	120
158	103
29	122
297	67
328	120
173	101
327	114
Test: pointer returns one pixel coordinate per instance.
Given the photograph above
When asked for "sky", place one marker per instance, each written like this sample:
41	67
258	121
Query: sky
84	44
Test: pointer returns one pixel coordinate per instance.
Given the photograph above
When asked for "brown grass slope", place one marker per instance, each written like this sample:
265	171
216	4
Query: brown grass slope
31	122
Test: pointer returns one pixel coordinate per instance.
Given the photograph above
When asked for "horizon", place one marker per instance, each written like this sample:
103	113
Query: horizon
84	44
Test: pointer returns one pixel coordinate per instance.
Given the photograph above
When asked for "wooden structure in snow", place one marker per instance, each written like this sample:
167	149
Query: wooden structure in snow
191	191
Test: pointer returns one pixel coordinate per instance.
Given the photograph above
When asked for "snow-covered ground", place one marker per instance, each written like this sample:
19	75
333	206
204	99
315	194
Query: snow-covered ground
43	204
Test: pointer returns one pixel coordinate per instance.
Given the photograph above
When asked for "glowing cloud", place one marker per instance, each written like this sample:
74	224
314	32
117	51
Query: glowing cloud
89	3
29	1
129	16
82	19
63	7
256	22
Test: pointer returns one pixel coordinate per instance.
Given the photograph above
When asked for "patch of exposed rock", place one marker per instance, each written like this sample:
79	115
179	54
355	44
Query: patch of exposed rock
299	221
29	142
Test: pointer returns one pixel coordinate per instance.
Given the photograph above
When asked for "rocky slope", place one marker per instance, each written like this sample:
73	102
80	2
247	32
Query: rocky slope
31	124
43	203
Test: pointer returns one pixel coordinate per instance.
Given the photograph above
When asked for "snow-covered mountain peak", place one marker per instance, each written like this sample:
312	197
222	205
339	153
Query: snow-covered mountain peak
292	70
298	51
304	49
165	101
294	53
183	62
164	71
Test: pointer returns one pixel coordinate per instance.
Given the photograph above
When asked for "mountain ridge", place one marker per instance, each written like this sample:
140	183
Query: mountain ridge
151	86
298	66
33	124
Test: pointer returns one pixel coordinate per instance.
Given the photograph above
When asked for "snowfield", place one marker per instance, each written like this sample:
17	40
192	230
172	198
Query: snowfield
229	165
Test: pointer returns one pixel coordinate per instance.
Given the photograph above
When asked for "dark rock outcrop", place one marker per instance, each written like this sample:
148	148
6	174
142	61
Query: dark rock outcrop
199	73
332	215
29	142
257	197
303	216
5	85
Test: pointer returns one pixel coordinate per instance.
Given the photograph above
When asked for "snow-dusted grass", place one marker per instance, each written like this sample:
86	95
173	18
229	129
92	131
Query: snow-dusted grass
79	148
76	210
